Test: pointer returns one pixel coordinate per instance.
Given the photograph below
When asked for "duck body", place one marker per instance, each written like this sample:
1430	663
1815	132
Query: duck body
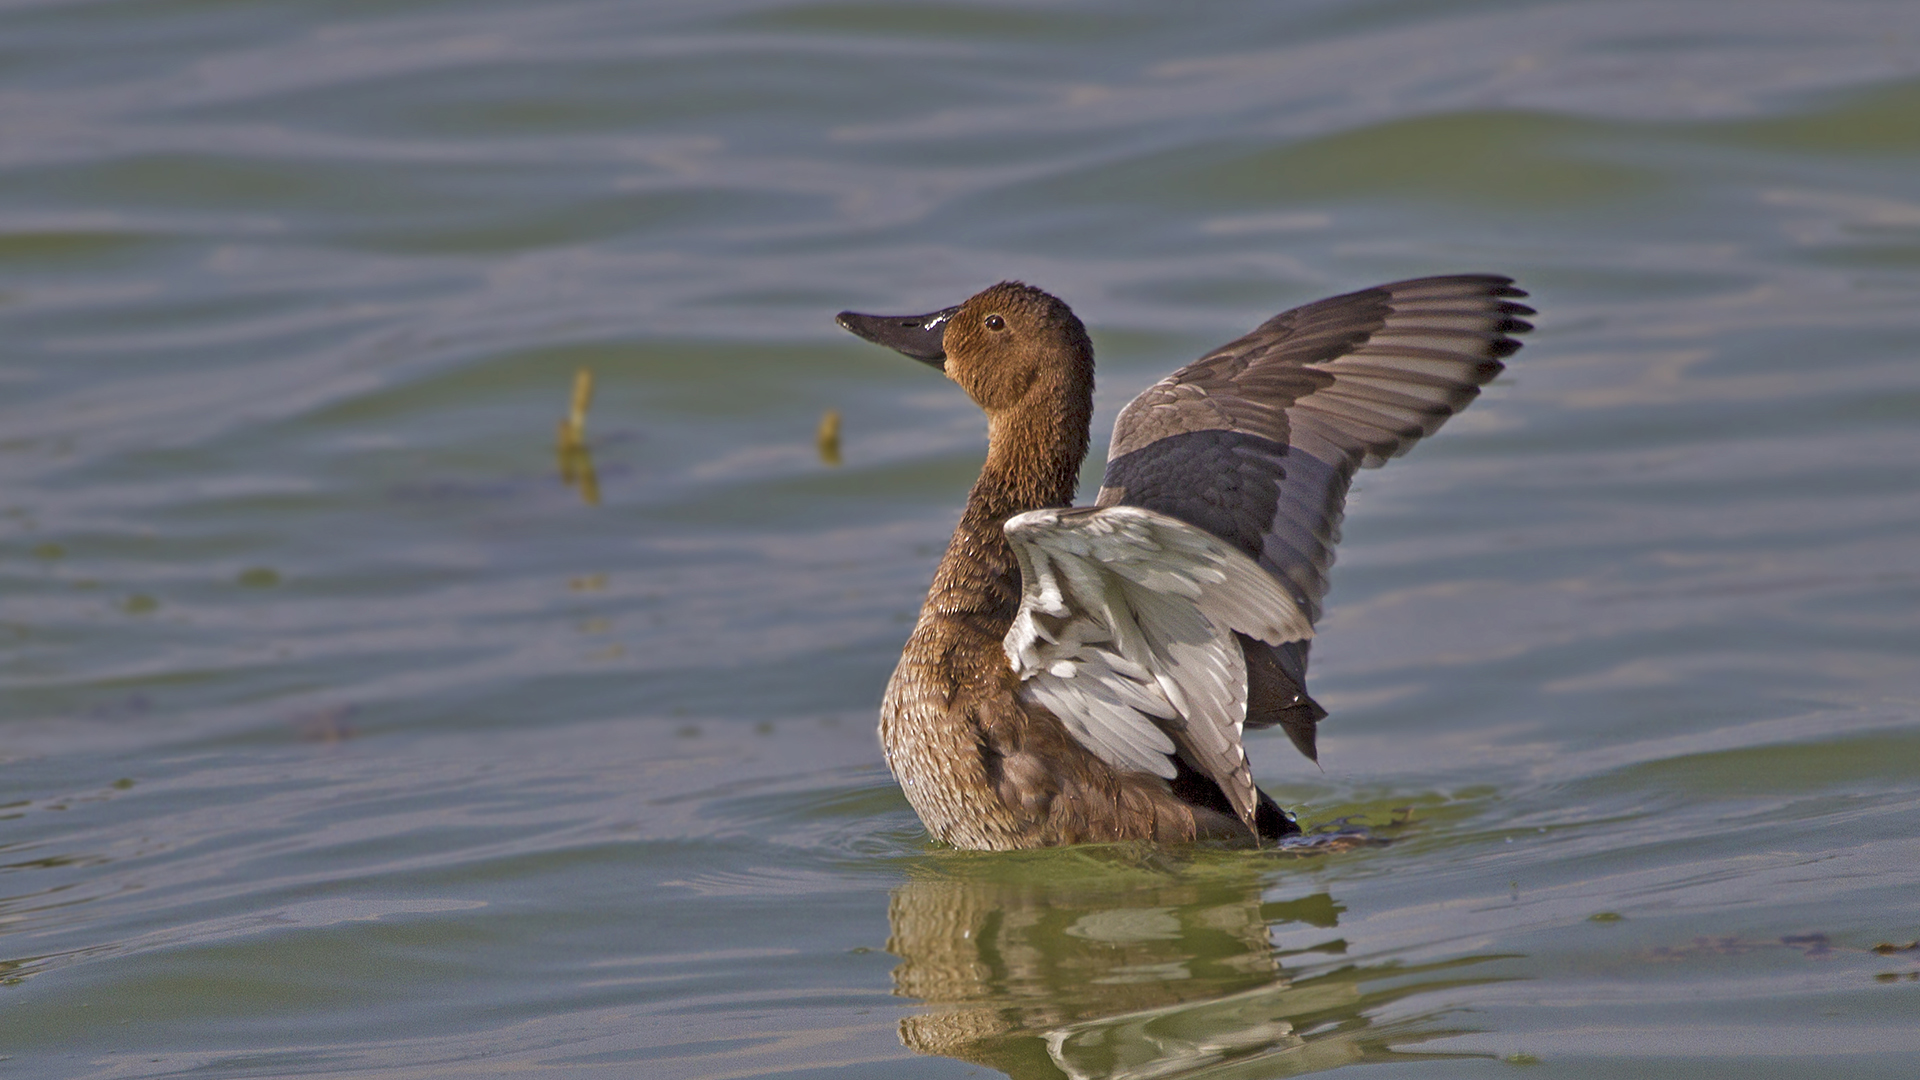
1083	675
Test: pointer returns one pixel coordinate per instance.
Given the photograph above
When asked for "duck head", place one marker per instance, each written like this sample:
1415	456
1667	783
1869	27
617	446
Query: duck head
1002	345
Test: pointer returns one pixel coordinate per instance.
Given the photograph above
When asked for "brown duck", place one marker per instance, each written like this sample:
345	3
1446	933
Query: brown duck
1083	675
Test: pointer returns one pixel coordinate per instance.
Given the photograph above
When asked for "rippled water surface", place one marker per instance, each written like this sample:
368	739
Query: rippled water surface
347	729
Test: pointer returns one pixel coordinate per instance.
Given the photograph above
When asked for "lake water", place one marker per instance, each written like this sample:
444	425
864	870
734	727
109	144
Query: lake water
347	730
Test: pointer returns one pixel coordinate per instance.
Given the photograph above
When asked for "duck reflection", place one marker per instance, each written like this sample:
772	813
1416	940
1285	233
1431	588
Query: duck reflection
1091	963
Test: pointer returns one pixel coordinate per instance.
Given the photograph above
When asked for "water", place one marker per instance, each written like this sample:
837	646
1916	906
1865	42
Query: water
341	736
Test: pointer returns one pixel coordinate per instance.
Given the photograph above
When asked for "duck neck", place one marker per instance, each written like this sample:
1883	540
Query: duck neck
1033	461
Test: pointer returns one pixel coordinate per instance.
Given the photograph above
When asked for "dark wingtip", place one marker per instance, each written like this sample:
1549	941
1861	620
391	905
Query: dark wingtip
1270	822
1301	723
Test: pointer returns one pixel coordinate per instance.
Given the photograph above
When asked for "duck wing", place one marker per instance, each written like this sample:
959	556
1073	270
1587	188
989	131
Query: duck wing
1127	633
1256	442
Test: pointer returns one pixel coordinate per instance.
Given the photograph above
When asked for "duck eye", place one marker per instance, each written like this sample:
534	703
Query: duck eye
996	323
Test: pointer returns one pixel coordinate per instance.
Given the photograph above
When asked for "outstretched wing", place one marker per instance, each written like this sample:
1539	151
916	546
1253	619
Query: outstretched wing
1257	441
1127	633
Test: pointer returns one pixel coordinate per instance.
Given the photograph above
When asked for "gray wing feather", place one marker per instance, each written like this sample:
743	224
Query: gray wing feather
1126	633
1257	441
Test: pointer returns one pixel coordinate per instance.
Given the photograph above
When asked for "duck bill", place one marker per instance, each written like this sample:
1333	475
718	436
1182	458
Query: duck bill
919	336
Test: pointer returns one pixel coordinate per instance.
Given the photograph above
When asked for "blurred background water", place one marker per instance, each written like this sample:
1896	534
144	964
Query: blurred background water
341	735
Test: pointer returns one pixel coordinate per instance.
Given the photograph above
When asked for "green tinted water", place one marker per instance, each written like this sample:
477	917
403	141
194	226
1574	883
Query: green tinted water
340	735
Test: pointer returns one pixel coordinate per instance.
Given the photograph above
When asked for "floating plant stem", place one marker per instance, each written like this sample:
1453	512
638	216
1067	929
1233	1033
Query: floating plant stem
576	461
828	437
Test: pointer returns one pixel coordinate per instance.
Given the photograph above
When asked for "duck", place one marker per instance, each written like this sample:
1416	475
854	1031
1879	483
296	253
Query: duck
1087	674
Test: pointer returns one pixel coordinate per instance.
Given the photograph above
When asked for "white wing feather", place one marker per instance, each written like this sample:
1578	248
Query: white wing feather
1125	632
